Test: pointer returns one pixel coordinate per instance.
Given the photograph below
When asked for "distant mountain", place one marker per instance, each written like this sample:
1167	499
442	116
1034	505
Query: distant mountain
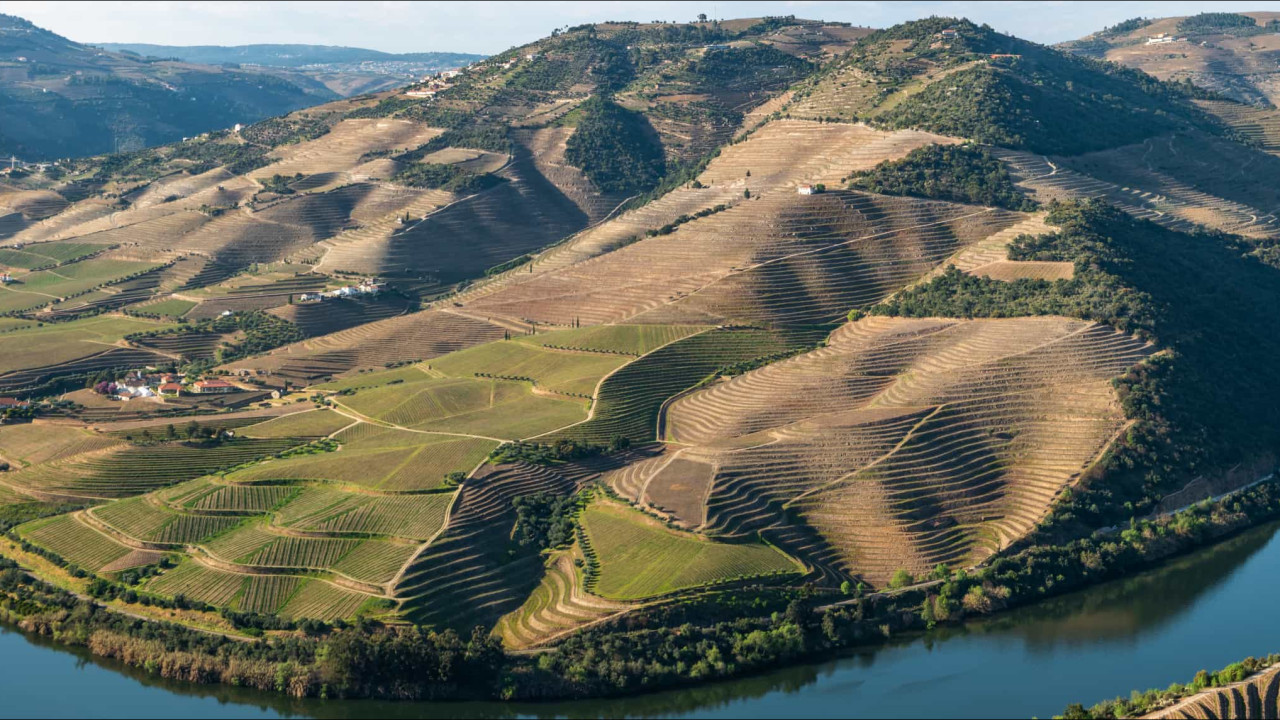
1234	54
345	71
289	56
63	98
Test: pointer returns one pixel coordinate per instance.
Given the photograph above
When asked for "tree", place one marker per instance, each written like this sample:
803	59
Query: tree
702	17
901	578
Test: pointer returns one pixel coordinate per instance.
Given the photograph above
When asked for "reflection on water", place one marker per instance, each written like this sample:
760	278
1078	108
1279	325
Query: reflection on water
1203	610
1130	608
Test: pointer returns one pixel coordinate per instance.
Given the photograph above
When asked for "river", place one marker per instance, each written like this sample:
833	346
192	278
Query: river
1203	610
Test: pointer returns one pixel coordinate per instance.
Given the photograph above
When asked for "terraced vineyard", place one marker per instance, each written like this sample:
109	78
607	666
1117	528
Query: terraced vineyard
74	541
687	344
639	558
315	423
122	471
630	400
635	340
558	605
35	349
1256	697
903	443
558	371
776	258
490	409
140	519
465	577
417	336
378	458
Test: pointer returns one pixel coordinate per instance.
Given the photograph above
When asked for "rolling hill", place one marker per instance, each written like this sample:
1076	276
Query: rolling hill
671	321
68	99
346	71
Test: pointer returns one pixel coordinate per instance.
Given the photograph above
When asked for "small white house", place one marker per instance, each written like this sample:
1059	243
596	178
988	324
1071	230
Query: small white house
805	190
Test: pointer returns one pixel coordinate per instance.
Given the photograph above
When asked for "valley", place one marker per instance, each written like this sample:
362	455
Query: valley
641	355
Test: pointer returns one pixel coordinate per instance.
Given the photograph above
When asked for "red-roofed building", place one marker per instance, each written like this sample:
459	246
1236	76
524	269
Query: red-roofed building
170	388
204	387
8	402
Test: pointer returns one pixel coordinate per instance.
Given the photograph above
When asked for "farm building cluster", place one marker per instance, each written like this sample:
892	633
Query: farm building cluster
141	384
365	288
434	84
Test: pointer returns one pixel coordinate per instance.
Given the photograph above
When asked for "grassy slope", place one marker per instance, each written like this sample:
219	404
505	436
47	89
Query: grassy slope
640	558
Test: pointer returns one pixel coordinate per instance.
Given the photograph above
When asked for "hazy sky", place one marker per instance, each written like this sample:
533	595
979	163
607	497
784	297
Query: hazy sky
489	27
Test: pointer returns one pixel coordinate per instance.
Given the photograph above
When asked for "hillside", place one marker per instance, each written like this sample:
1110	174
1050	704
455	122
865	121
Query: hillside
1233	54
68	99
346	71
292	56
646	326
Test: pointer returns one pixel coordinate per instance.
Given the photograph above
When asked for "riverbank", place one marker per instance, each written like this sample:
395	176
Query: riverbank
1245	689
721	636
1140	631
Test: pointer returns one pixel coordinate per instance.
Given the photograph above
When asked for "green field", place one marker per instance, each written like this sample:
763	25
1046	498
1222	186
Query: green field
378	458
43	286
45	254
375	561
198	582
631	398
625	339
640	558
172	307
142	519
491	408
322	509
129	470
377	379
323	601
288	595
311	423
7	324
556	370
31	443
61	342
67	537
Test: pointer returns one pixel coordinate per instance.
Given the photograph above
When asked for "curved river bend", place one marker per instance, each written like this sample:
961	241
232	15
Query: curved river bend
1203	610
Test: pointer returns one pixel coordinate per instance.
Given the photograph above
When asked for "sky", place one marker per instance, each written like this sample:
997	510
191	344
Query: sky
491	27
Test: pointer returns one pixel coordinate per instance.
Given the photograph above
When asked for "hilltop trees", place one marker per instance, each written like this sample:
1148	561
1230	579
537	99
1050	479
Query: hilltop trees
616	148
961	173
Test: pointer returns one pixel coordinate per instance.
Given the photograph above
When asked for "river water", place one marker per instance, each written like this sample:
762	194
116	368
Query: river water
1204	610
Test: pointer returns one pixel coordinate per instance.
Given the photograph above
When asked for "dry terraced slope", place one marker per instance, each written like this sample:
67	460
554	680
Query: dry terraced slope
777	257
559	604
902	444
1255	697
